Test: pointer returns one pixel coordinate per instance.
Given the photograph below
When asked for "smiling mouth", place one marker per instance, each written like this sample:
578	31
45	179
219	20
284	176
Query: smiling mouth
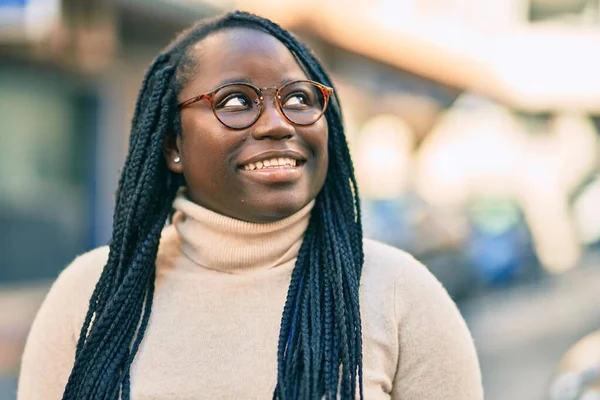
273	164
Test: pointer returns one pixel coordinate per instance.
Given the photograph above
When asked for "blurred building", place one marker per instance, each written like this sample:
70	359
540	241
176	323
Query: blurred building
473	126
69	74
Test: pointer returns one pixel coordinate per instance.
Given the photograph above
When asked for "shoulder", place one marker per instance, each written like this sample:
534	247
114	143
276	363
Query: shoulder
405	279
384	262
84	271
388	276
74	286
421	303
408	308
68	297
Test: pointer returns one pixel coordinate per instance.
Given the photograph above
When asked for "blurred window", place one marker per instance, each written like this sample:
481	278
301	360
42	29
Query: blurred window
47	131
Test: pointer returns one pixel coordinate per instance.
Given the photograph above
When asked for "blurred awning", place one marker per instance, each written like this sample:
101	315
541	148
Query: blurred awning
529	67
185	11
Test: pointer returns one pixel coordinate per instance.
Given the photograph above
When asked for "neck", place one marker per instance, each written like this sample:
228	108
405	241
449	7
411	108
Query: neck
225	244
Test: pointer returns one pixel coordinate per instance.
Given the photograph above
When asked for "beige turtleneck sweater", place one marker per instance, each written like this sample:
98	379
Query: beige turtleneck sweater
220	289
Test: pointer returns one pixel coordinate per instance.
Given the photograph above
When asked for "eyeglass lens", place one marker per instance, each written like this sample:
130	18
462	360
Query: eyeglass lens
238	105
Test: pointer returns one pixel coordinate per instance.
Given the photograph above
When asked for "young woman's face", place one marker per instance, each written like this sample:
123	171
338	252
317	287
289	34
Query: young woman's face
213	156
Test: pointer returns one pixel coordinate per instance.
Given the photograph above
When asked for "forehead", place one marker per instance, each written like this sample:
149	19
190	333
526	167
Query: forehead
242	54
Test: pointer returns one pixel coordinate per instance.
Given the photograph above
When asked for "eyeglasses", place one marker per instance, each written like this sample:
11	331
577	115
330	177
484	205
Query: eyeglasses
238	105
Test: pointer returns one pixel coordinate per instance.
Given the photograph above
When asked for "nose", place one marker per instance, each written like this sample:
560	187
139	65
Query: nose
271	124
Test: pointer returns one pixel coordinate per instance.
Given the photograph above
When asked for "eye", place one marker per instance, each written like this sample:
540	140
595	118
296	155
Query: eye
296	100
235	102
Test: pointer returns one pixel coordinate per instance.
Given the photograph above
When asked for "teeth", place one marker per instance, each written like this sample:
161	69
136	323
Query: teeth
272	163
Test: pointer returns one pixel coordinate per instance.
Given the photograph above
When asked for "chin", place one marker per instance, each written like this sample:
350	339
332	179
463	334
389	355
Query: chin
275	211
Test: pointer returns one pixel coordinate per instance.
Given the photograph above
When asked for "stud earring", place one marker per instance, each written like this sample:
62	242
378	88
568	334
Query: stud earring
177	160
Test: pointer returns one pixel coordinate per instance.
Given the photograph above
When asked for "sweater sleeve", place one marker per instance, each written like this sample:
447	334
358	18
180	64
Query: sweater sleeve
437	358
50	348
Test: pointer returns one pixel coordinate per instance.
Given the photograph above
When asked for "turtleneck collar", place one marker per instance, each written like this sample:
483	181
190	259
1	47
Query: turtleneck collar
225	244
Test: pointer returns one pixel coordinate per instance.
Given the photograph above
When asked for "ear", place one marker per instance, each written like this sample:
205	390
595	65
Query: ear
172	152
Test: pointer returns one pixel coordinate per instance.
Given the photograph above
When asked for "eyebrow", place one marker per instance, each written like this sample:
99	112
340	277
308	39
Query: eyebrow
233	80
249	81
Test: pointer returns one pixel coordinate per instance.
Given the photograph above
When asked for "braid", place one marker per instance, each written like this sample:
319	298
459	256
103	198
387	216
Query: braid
319	352
123	296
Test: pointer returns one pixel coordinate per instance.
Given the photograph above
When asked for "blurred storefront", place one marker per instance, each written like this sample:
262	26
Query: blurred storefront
69	74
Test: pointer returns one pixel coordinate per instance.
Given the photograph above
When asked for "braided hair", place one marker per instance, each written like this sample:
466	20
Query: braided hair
320	341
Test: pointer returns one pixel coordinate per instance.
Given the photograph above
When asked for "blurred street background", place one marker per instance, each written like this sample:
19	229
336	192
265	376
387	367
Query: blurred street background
473	124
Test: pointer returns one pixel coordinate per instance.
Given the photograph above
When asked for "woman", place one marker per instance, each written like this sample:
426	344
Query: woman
262	286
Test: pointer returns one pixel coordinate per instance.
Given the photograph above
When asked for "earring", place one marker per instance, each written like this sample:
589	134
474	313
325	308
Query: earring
177	160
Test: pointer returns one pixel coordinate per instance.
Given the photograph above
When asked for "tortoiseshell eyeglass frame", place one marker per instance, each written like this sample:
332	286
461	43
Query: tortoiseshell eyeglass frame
326	91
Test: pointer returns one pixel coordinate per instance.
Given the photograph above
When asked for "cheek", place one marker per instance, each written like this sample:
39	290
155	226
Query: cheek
205	149
324	143
323	168
203	136
319	143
